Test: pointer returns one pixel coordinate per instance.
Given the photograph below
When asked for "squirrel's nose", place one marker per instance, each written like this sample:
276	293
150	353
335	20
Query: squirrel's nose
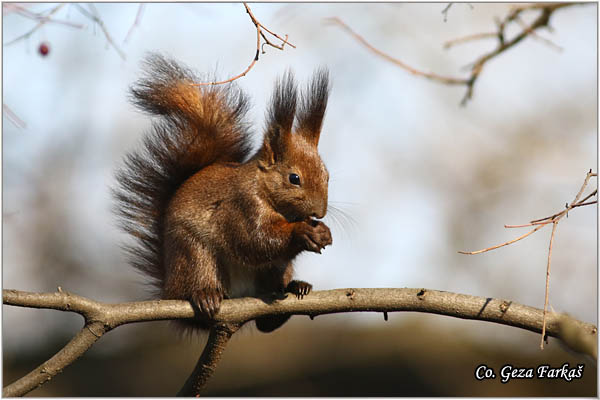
321	213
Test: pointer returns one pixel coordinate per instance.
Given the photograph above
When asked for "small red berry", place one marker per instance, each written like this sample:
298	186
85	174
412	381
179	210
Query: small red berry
44	49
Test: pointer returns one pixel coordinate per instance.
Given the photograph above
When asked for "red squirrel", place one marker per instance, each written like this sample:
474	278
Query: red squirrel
211	221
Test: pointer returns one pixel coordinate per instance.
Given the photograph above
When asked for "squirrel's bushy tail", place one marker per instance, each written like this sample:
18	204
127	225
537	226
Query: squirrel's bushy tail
197	126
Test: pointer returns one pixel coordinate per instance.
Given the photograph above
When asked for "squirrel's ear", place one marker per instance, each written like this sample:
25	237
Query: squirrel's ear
313	105
273	147
280	118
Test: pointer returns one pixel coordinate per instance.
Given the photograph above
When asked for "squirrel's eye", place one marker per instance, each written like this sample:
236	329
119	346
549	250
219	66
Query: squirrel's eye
294	179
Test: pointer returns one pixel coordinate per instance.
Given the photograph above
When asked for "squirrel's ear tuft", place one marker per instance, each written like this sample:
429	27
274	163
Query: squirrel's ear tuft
313	105
283	104
280	118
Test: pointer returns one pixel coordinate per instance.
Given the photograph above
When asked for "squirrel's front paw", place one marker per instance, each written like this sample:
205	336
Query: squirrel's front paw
314	236
299	288
207	302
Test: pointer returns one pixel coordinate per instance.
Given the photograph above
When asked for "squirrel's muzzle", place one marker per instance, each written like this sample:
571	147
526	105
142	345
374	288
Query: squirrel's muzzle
321	213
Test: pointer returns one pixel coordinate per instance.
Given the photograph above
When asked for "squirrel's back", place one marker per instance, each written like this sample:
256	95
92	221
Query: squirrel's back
197	126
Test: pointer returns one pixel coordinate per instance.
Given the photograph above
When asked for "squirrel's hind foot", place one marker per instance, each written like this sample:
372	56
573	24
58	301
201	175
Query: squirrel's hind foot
269	324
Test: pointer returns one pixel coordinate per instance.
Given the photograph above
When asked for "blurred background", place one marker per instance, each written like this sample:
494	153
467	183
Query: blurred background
417	176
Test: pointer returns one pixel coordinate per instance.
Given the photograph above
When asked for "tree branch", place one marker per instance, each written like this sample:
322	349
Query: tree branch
259	33
86	337
12	117
218	337
43	19
545	12
93	14
136	22
429	75
554	219
102	317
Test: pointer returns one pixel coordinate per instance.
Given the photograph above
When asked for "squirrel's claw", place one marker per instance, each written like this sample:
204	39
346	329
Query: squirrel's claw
299	288
207	302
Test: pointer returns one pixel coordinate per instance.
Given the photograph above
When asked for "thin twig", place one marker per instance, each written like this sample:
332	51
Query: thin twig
543	20
503	244
585	204
595	192
560	214
445	11
588	176
43	21
240	311
19	9
554	225
12	117
136	22
538	37
9	8
401	64
259	33
468	38
526	225
554	219
256	23
547	220
541	222
95	17
545	10
447	8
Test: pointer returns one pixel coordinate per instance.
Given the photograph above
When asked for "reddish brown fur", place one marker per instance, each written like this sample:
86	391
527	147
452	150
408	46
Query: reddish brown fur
209	223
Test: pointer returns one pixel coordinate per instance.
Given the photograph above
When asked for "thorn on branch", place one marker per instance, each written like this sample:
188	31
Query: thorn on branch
504	306
350	294
385	316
